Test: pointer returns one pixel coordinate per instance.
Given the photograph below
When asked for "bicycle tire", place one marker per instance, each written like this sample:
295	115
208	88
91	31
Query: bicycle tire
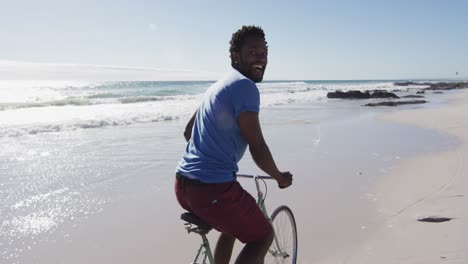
285	229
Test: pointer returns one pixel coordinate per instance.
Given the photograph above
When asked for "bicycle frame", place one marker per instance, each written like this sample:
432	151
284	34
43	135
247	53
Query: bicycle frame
204	245
260	202
207	254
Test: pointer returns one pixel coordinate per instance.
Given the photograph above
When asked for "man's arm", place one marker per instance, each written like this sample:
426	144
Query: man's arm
251	131
189	126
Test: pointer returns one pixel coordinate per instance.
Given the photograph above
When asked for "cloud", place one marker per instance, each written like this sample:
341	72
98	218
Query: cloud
19	70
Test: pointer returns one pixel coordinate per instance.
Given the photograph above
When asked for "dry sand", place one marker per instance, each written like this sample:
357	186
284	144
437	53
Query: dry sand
425	186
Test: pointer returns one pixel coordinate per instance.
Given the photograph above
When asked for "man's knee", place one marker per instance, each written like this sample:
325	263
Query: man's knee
268	237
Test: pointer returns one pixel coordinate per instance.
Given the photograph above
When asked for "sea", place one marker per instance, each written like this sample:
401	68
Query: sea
34	107
73	153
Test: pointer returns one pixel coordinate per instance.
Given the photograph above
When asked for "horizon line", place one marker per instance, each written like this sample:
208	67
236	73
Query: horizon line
167	74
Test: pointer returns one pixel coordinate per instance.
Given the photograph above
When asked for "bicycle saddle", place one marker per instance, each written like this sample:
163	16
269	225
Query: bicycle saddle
202	226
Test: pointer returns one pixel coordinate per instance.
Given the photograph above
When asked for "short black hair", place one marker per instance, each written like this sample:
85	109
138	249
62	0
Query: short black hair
240	35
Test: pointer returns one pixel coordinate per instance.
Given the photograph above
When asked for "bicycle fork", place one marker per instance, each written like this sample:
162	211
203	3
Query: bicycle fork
260	202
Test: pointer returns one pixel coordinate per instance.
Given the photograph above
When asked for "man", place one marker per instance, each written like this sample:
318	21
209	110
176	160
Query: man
218	134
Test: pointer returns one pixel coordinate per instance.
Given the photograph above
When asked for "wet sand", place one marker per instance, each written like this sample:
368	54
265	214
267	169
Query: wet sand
432	185
339	152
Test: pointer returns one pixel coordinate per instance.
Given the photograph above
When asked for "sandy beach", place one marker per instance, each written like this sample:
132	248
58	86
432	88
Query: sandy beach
363	176
431	185
365	103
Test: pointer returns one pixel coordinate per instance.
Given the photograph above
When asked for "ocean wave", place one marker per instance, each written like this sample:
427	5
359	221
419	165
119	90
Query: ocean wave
292	97
107	109
84	94
94	100
103	96
63	102
141	99
359	86
18	131
281	84
144	99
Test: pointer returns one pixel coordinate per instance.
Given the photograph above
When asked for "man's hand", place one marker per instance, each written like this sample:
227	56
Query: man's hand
284	179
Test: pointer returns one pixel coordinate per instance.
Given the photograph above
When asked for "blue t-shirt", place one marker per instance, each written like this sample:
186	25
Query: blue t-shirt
216	145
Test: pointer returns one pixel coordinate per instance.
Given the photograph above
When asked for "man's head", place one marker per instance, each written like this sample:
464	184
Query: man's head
249	52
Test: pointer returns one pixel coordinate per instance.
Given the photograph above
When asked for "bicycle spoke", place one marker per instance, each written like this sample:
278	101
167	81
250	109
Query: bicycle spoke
286	236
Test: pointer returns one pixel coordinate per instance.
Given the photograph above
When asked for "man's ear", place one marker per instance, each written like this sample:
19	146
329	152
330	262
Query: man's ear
235	58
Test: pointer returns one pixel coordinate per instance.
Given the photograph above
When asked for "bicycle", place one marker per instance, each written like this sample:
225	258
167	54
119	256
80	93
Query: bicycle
284	246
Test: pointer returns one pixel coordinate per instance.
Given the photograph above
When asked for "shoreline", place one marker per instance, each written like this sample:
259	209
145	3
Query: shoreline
428	185
337	150
332	198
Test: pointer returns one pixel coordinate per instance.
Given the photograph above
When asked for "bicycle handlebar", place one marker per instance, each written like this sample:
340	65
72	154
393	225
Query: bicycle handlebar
253	176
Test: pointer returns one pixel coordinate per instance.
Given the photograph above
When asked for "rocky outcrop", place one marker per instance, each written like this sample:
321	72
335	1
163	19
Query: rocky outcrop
355	94
411	83
436	86
395	103
412	96
383	94
349	95
435	219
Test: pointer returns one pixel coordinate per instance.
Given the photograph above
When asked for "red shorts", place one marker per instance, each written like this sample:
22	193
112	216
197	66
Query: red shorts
227	207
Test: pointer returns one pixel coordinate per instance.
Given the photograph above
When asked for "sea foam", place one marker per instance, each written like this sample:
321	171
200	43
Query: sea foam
39	107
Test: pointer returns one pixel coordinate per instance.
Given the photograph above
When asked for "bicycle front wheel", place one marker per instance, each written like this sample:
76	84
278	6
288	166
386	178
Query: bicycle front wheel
284	247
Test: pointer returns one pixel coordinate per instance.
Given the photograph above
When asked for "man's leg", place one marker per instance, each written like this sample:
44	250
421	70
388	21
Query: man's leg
230	209
224	247
254	252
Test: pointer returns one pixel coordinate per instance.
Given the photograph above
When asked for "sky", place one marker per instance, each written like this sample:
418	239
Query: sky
308	40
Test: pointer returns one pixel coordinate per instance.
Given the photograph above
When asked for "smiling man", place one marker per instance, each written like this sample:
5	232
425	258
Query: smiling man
218	134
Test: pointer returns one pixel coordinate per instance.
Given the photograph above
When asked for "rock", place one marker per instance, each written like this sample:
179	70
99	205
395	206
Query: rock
436	86
448	86
355	94
395	103
383	94
413	96
406	83
349	95
420	92
435	219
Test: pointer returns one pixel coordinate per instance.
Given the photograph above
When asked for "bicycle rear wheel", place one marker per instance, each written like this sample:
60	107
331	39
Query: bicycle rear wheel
284	247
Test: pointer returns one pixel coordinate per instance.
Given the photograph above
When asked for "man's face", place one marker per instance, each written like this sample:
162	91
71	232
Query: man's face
252	58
